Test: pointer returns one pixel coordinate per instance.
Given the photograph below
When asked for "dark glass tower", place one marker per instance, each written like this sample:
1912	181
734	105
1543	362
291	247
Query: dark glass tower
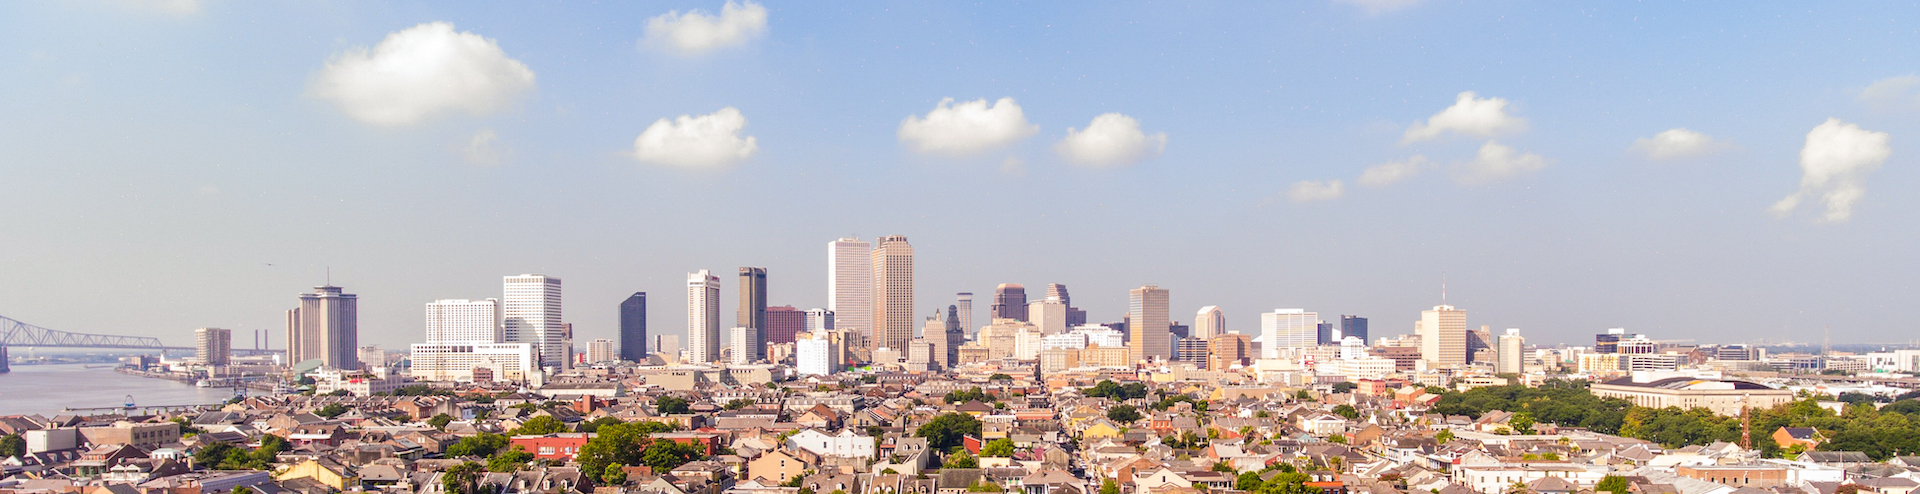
753	311
633	328
1354	326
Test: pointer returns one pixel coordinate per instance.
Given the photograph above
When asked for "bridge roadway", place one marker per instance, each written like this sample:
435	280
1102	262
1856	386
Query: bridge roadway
16	333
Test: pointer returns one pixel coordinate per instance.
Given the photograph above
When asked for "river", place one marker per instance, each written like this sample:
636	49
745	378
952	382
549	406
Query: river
49	389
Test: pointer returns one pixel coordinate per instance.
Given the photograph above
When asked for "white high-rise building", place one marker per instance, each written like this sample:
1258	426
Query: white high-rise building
1210	322
850	284
530	313
601	350
463	321
1508	357
514	362
743	341
813	354
703	317
1099	335
1288	328
965	303
1050	315
1074	341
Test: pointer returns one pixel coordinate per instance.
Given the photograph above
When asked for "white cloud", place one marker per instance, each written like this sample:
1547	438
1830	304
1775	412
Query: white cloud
420	72
1377	7
967	128
706	141
1312	191
1388	173
1498	162
483	149
175	7
1893	94
1111	139
1469	116
1834	165
697	31
1678	143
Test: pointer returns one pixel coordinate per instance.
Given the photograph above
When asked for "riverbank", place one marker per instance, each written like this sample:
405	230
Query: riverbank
51	389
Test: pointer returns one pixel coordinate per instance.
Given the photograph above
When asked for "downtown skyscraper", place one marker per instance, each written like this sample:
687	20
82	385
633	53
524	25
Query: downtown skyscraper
1443	336
1148	323
633	328
325	326
965	303
892	292
752	315
1009	302
463	321
850	286
530	313
1209	322
703	317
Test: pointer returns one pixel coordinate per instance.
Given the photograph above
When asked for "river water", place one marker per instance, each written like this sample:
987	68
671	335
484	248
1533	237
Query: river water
48	389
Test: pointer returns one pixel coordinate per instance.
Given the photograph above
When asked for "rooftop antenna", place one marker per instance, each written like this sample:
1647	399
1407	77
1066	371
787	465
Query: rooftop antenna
329	275
1443	288
1826	341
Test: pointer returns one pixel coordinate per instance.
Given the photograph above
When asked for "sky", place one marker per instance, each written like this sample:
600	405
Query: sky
1721	172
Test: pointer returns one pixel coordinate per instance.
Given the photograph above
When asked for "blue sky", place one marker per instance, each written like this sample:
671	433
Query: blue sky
172	165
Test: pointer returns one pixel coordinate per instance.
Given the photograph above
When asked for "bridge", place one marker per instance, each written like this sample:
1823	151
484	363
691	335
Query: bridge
16	333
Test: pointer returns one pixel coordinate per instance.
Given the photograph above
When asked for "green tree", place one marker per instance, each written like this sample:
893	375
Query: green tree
596	424
1223	467
481	445
1344	387
999	377
1337	439
331	410
973	394
1109	487
1001	447
1347	411
632	443
508	461
1443	436
440	421
1249	482
945	431
984	486
1124	414
541	425
960	459
738	403
672	405
462	478
211	454
1612	483
12	445
615	474
1522	423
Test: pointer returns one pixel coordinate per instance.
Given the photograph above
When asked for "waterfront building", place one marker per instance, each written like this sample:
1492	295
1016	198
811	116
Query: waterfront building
213	346
325	326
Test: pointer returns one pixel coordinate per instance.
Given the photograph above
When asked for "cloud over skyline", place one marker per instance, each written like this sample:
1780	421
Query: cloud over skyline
1496	162
966	129
1306	191
1470	116
705	141
421	72
1834	165
1392	172
696	31
1111	139
1678	143
1893	94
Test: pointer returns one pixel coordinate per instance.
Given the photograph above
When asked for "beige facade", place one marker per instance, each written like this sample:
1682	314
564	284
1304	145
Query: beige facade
1149	324
893	292
325	326
1723	397
1443	336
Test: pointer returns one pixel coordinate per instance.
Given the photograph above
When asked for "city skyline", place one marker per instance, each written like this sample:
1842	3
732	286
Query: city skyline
1548	176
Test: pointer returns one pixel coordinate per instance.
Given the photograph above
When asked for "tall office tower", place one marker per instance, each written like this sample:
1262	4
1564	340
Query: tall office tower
1480	345
783	323
953	317
1075	316
955	336
1354	326
1209	322
530	313
1228	349
566	346
1443	336
463	321
1510	348
1608	342
1178	330
1287	328
703	317
966	313
1326	334
1148	323
753	311
1049	315
850	286
1009	302
633	328
213	346
819	320
600	350
325	326
893	292
1191	350
934	333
